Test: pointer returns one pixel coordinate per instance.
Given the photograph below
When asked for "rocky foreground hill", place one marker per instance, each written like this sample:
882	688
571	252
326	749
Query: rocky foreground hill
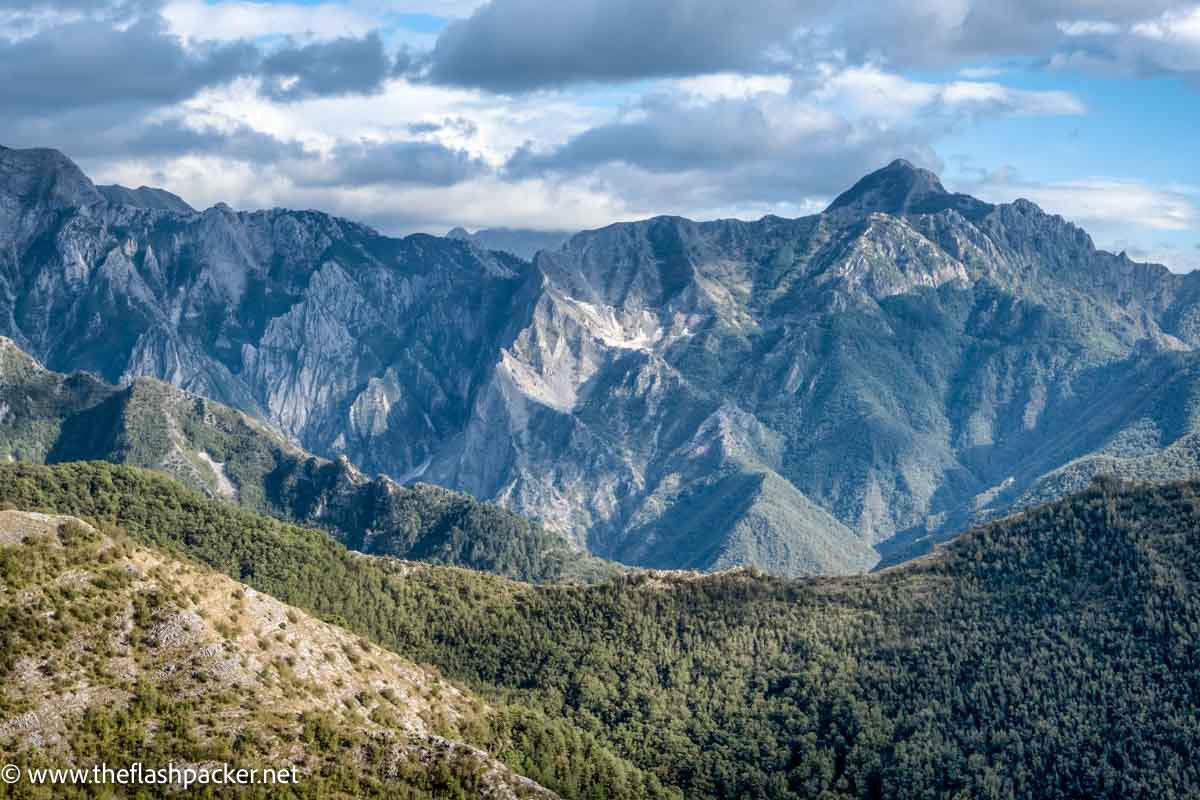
802	395
115	653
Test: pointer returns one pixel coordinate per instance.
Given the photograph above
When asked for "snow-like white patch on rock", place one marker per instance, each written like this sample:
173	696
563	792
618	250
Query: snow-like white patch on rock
415	472
628	331
225	487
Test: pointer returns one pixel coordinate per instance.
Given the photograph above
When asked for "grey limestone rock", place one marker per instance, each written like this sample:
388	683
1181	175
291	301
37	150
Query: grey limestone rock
793	394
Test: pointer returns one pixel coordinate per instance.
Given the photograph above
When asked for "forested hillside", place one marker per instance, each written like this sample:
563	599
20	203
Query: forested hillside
46	417
111	692
1053	654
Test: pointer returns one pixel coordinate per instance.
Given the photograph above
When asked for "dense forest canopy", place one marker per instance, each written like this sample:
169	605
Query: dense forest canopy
1051	654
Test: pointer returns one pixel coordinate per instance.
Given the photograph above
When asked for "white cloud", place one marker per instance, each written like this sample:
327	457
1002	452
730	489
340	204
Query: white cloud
1168	41
1172	25
872	93
1103	203
492	132
869	91
197	19
1083	27
1173	39
1180	259
725	85
981	73
487	202
1003	99
497	128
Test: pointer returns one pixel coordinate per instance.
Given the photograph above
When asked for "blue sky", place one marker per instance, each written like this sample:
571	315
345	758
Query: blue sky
427	114
1134	132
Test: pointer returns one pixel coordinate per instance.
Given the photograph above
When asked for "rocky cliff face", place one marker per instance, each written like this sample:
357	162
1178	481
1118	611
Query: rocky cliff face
787	393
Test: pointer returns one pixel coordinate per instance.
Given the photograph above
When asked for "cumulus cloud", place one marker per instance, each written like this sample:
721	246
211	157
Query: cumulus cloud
876	93
198	19
513	45
1165	43
141	65
97	141
174	137
345	65
204	181
609	109
993	98
354	164
1101	202
733	85
936	33
93	6
346	165
809	141
518	45
53	52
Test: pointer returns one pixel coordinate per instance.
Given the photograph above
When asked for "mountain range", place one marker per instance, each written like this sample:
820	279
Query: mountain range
517	241
804	395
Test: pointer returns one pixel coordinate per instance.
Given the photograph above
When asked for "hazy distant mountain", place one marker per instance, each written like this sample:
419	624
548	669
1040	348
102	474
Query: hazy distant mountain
786	393
146	197
523	243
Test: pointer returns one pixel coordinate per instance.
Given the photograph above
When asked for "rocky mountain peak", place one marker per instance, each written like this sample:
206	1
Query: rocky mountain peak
895	189
41	177
901	189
